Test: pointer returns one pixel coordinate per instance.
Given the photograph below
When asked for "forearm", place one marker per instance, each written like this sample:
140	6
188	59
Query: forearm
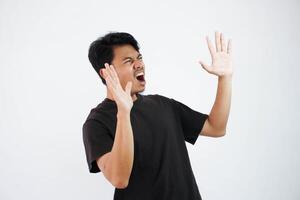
121	160
219	114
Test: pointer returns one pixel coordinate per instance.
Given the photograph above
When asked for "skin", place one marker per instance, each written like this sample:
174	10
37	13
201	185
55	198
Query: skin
222	67
122	88
126	63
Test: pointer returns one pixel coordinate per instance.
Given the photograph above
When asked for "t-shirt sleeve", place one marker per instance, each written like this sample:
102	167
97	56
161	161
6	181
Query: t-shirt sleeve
192	121
97	141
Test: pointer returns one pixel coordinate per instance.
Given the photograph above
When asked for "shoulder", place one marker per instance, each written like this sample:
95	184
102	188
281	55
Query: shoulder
96	128
102	110
103	115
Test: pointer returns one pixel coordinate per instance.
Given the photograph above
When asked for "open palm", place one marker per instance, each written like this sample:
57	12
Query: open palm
121	96
221	56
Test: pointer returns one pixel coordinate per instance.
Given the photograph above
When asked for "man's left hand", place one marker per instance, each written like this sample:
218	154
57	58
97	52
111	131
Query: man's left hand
221	56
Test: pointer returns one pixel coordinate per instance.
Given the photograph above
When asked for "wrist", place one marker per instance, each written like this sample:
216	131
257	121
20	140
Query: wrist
123	114
226	77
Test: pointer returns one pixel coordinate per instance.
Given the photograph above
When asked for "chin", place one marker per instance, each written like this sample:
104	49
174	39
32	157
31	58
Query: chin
142	89
138	91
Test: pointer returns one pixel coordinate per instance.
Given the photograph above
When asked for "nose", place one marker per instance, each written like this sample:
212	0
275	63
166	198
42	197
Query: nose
138	64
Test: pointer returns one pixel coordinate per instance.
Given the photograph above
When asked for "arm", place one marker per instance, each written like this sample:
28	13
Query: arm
118	163
215	125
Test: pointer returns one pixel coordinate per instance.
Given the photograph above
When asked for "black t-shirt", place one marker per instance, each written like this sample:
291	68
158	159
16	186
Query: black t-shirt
161	166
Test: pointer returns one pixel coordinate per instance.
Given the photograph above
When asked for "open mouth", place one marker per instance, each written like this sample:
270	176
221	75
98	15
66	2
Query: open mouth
140	77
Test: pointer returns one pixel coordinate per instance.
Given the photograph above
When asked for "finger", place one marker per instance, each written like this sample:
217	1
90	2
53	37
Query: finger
114	73
105	72
114	76
205	66
111	87
217	41
128	87
108	79
108	71
229	47
210	46
223	43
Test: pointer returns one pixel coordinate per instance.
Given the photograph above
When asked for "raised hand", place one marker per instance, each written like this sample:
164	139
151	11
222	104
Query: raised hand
221	56
122	98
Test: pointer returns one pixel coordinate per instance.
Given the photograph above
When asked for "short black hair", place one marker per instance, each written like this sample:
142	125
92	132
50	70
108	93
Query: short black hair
101	51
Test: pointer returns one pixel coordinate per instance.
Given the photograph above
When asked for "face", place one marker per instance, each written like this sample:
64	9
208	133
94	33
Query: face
129	66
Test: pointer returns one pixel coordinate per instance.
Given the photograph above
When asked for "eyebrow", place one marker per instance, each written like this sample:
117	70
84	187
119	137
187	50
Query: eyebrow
131	57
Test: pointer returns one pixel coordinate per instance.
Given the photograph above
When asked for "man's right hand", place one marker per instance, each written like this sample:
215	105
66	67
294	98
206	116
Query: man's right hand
122	98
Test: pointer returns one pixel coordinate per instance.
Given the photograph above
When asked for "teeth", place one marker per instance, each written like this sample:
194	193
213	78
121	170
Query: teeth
141	73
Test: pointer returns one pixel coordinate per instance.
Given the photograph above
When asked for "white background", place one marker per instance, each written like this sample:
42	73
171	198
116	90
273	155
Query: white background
48	87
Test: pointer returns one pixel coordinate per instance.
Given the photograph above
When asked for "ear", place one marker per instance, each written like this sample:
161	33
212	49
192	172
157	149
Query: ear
101	73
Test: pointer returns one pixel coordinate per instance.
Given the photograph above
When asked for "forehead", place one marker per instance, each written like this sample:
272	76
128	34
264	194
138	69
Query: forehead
124	51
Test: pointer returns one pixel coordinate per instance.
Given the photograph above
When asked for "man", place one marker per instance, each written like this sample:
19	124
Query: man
138	141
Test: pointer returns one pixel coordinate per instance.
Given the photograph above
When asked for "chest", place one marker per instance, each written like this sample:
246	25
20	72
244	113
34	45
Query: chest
156	130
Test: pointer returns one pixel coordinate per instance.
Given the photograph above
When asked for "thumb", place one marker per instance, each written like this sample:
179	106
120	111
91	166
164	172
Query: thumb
205	66
128	87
